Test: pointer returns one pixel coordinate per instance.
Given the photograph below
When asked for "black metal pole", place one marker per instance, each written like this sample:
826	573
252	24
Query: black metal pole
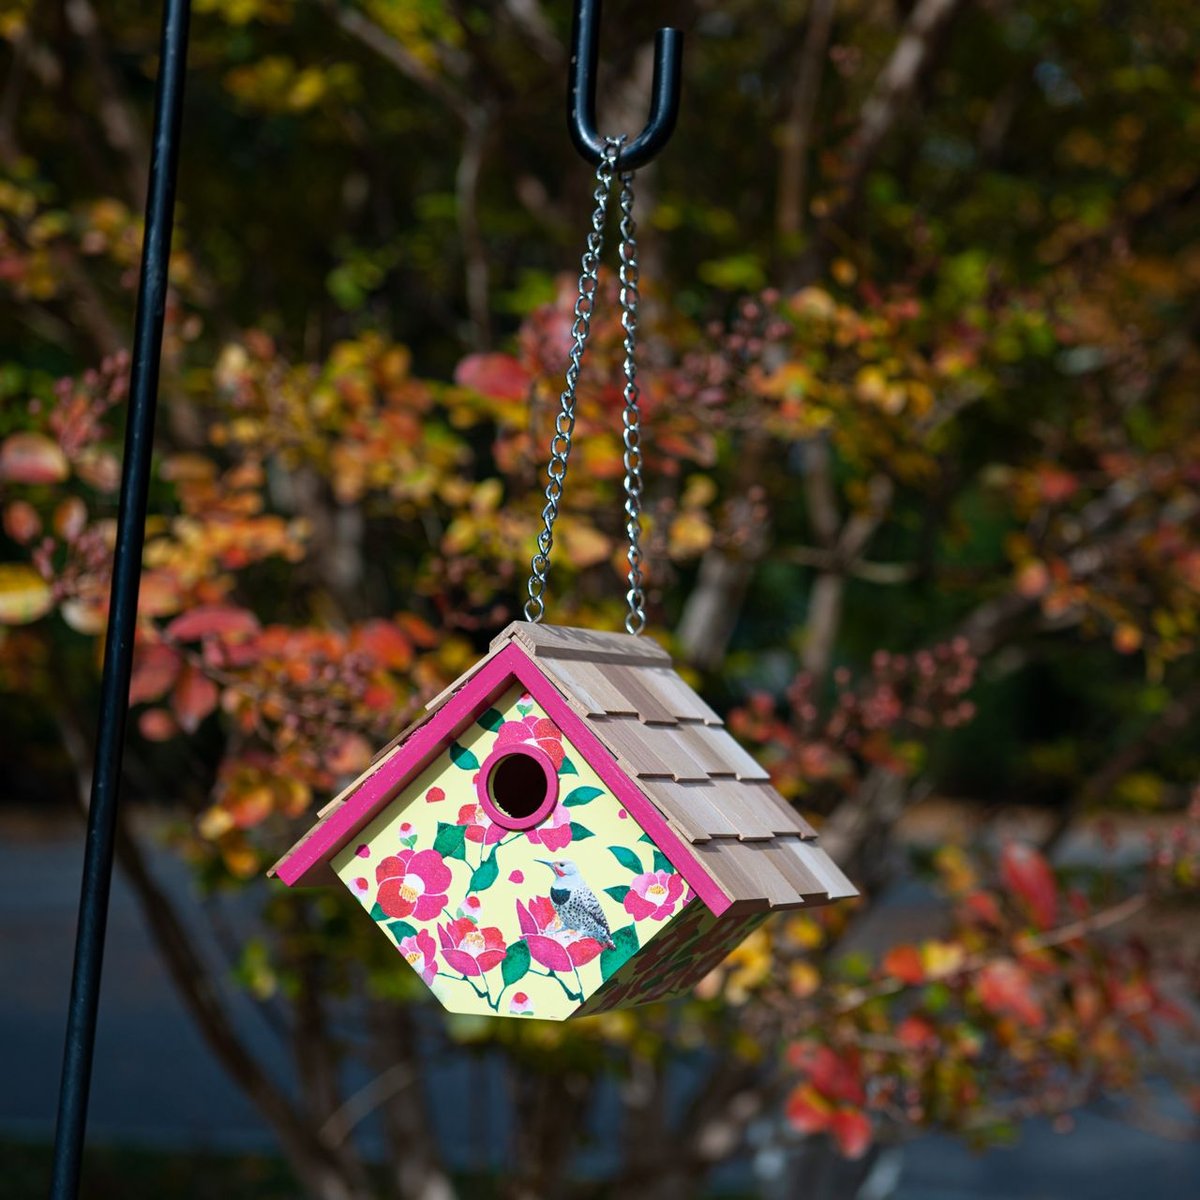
123	599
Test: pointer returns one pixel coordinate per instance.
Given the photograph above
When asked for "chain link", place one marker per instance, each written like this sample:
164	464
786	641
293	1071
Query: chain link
631	418
564	424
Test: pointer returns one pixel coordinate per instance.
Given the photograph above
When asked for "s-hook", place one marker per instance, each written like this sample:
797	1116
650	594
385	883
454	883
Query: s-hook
581	92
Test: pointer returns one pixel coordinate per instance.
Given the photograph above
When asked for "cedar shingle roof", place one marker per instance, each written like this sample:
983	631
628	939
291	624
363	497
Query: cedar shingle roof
759	850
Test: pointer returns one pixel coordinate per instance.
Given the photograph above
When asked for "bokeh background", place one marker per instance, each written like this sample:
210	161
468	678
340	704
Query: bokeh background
920	296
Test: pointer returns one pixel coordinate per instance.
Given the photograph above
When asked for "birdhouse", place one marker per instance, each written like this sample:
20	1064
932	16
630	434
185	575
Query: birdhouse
568	828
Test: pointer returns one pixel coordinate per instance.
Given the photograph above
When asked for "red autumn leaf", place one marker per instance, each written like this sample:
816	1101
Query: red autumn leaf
384	643
1006	990
157	725
21	522
1029	877
984	907
851	1129
195	696
808	1110
32	458
496	375
904	963
207	620
836	1076
916	1033
155	668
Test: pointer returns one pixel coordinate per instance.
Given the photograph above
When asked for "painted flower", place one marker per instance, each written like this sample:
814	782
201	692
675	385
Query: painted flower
541	732
555	831
469	949
480	828
420	952
471	908
551	945
653	895
412	883
520	1005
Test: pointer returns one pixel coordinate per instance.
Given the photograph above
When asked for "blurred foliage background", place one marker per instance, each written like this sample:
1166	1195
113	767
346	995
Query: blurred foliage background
921	289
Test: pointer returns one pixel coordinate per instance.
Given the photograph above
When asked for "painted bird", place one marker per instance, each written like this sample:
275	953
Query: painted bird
576	903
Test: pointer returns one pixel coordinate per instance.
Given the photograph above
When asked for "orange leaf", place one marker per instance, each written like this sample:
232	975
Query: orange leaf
157	725
21	522
808	1110
155	668
1006	990
904	963
1028	875
195	696
837	1076
32	458
384	643
851	1129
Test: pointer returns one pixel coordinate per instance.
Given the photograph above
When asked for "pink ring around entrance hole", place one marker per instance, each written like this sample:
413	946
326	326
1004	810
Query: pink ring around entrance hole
483	786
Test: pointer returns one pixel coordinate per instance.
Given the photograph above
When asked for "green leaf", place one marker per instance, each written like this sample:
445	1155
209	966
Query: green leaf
625	946
485	874
377	913
646	838
451	841
663	863
460	756
579	832
568	767
581	795
618	893
401	929
491	719
627	858
515	964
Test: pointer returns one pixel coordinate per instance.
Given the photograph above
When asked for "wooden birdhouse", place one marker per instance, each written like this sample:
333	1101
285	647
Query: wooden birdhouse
567	829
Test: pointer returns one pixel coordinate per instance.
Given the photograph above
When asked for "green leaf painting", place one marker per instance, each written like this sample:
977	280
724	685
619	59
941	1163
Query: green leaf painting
451	841
485	874
581	795
491	719
618	893
663	863
627	858
579	832
625	946
460	756
515	964
377	913
568	767
400	930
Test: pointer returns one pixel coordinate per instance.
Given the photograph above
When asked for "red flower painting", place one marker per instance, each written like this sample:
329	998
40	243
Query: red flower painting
551	945
542	732
469	949
653	894
412	883
420	952
555	831
480	829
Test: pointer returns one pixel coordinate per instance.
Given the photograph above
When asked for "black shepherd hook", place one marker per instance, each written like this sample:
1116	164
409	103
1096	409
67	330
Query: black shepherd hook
581	92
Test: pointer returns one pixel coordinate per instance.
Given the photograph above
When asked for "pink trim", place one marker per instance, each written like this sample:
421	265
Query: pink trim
483	786
428	741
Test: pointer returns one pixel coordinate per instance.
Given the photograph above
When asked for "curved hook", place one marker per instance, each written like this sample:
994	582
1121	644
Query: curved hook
581	92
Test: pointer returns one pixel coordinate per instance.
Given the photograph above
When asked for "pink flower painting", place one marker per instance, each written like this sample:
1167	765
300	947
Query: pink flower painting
469	949
542	732
412	883
555	831
520	1005
653	894
551	945
420	952
480	828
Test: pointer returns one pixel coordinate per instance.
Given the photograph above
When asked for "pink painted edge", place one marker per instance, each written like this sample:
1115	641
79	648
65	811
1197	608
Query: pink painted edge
426	742
543	810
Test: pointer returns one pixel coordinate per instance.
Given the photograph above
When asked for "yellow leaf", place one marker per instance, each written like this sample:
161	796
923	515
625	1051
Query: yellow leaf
583	545
690	535
24	595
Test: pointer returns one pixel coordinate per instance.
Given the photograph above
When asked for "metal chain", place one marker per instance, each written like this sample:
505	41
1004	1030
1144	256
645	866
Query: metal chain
631	418
564	423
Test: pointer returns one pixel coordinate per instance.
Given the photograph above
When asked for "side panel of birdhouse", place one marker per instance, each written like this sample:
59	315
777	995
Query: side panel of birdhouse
697	943
467	901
